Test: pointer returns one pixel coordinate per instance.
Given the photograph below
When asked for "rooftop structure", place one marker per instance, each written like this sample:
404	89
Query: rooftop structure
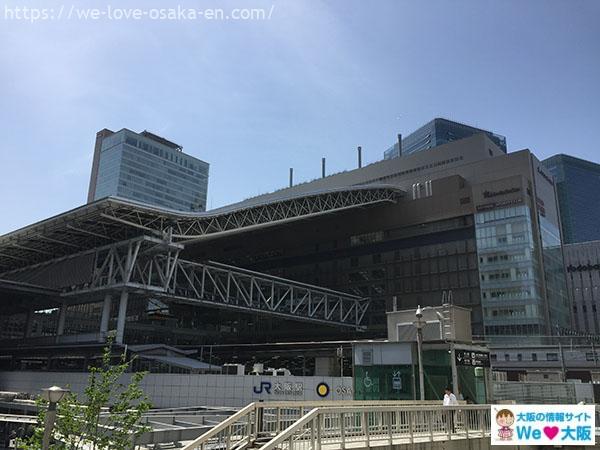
437	132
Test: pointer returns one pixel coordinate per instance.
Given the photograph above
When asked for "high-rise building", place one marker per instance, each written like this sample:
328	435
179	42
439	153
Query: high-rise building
577	185
582	261
437	132
147	168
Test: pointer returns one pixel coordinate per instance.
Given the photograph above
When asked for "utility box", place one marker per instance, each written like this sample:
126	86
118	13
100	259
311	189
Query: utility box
440	323
233	369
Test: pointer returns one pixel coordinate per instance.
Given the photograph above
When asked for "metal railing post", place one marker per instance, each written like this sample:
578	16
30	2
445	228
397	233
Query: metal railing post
430	416
318	420
481	422
365	420
411	426
389	418
278	425
342	431
259	419
312	434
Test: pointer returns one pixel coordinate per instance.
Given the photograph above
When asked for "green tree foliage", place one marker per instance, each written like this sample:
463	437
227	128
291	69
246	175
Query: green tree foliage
108	417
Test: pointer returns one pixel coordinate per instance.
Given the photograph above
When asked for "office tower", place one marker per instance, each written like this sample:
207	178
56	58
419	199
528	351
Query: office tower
147	168
437	132
577	186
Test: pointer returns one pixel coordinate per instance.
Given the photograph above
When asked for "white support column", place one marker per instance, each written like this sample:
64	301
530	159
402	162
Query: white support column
121	317
62	315
455	386
105	317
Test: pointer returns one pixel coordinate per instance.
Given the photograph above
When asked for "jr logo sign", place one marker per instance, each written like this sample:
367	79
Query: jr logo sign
265	386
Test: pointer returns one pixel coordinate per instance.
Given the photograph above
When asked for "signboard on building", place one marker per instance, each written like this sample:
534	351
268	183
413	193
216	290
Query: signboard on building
472	358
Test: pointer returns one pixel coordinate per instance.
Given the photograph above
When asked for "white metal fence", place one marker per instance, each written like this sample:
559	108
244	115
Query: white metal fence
543	392
309	427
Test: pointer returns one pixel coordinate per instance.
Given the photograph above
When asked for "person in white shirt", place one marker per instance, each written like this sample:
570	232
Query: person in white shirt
449	400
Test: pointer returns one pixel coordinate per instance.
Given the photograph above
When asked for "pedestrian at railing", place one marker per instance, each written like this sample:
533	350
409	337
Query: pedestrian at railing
449	400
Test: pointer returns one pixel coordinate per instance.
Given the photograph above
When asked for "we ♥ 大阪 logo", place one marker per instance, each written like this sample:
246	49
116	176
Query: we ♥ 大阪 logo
551	432
539	425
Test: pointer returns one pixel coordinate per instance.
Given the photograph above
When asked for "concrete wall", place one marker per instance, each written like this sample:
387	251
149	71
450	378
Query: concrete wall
172	390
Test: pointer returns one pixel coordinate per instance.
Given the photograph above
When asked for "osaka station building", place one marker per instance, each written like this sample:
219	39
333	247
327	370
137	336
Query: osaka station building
462	223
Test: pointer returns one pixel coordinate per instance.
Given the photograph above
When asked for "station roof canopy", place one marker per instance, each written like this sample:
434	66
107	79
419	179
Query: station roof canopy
114	219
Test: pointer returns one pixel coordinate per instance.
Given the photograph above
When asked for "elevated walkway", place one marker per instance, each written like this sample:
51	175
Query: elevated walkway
345	425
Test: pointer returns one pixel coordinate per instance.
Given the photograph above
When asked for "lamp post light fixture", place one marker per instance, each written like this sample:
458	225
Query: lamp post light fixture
52	395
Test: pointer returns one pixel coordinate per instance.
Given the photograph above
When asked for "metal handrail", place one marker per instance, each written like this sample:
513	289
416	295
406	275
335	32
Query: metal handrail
274	418
382	425
285	434
201	442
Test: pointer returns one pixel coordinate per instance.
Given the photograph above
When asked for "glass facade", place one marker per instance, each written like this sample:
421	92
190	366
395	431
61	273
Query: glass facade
554	275
510	273
385	382
438	132
577	184
139	168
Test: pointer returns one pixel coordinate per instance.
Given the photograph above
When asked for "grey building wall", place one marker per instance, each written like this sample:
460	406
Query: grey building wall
174	391
582	262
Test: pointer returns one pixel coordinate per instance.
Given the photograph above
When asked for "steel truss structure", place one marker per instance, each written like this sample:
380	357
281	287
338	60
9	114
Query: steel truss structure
112	220
151	267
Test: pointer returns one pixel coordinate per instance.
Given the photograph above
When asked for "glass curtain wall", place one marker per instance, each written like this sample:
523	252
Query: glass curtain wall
554	273
510	273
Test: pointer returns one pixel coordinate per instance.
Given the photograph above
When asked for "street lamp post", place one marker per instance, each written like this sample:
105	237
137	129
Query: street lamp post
419	324
452	351
52	395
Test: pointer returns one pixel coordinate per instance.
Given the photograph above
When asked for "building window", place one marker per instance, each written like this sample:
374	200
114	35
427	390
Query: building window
551	356
367	238
494	356
519	357
367	357
534	356
506	357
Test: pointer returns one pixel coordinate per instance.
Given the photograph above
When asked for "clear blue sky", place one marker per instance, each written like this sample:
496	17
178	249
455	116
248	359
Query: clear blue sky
254	98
